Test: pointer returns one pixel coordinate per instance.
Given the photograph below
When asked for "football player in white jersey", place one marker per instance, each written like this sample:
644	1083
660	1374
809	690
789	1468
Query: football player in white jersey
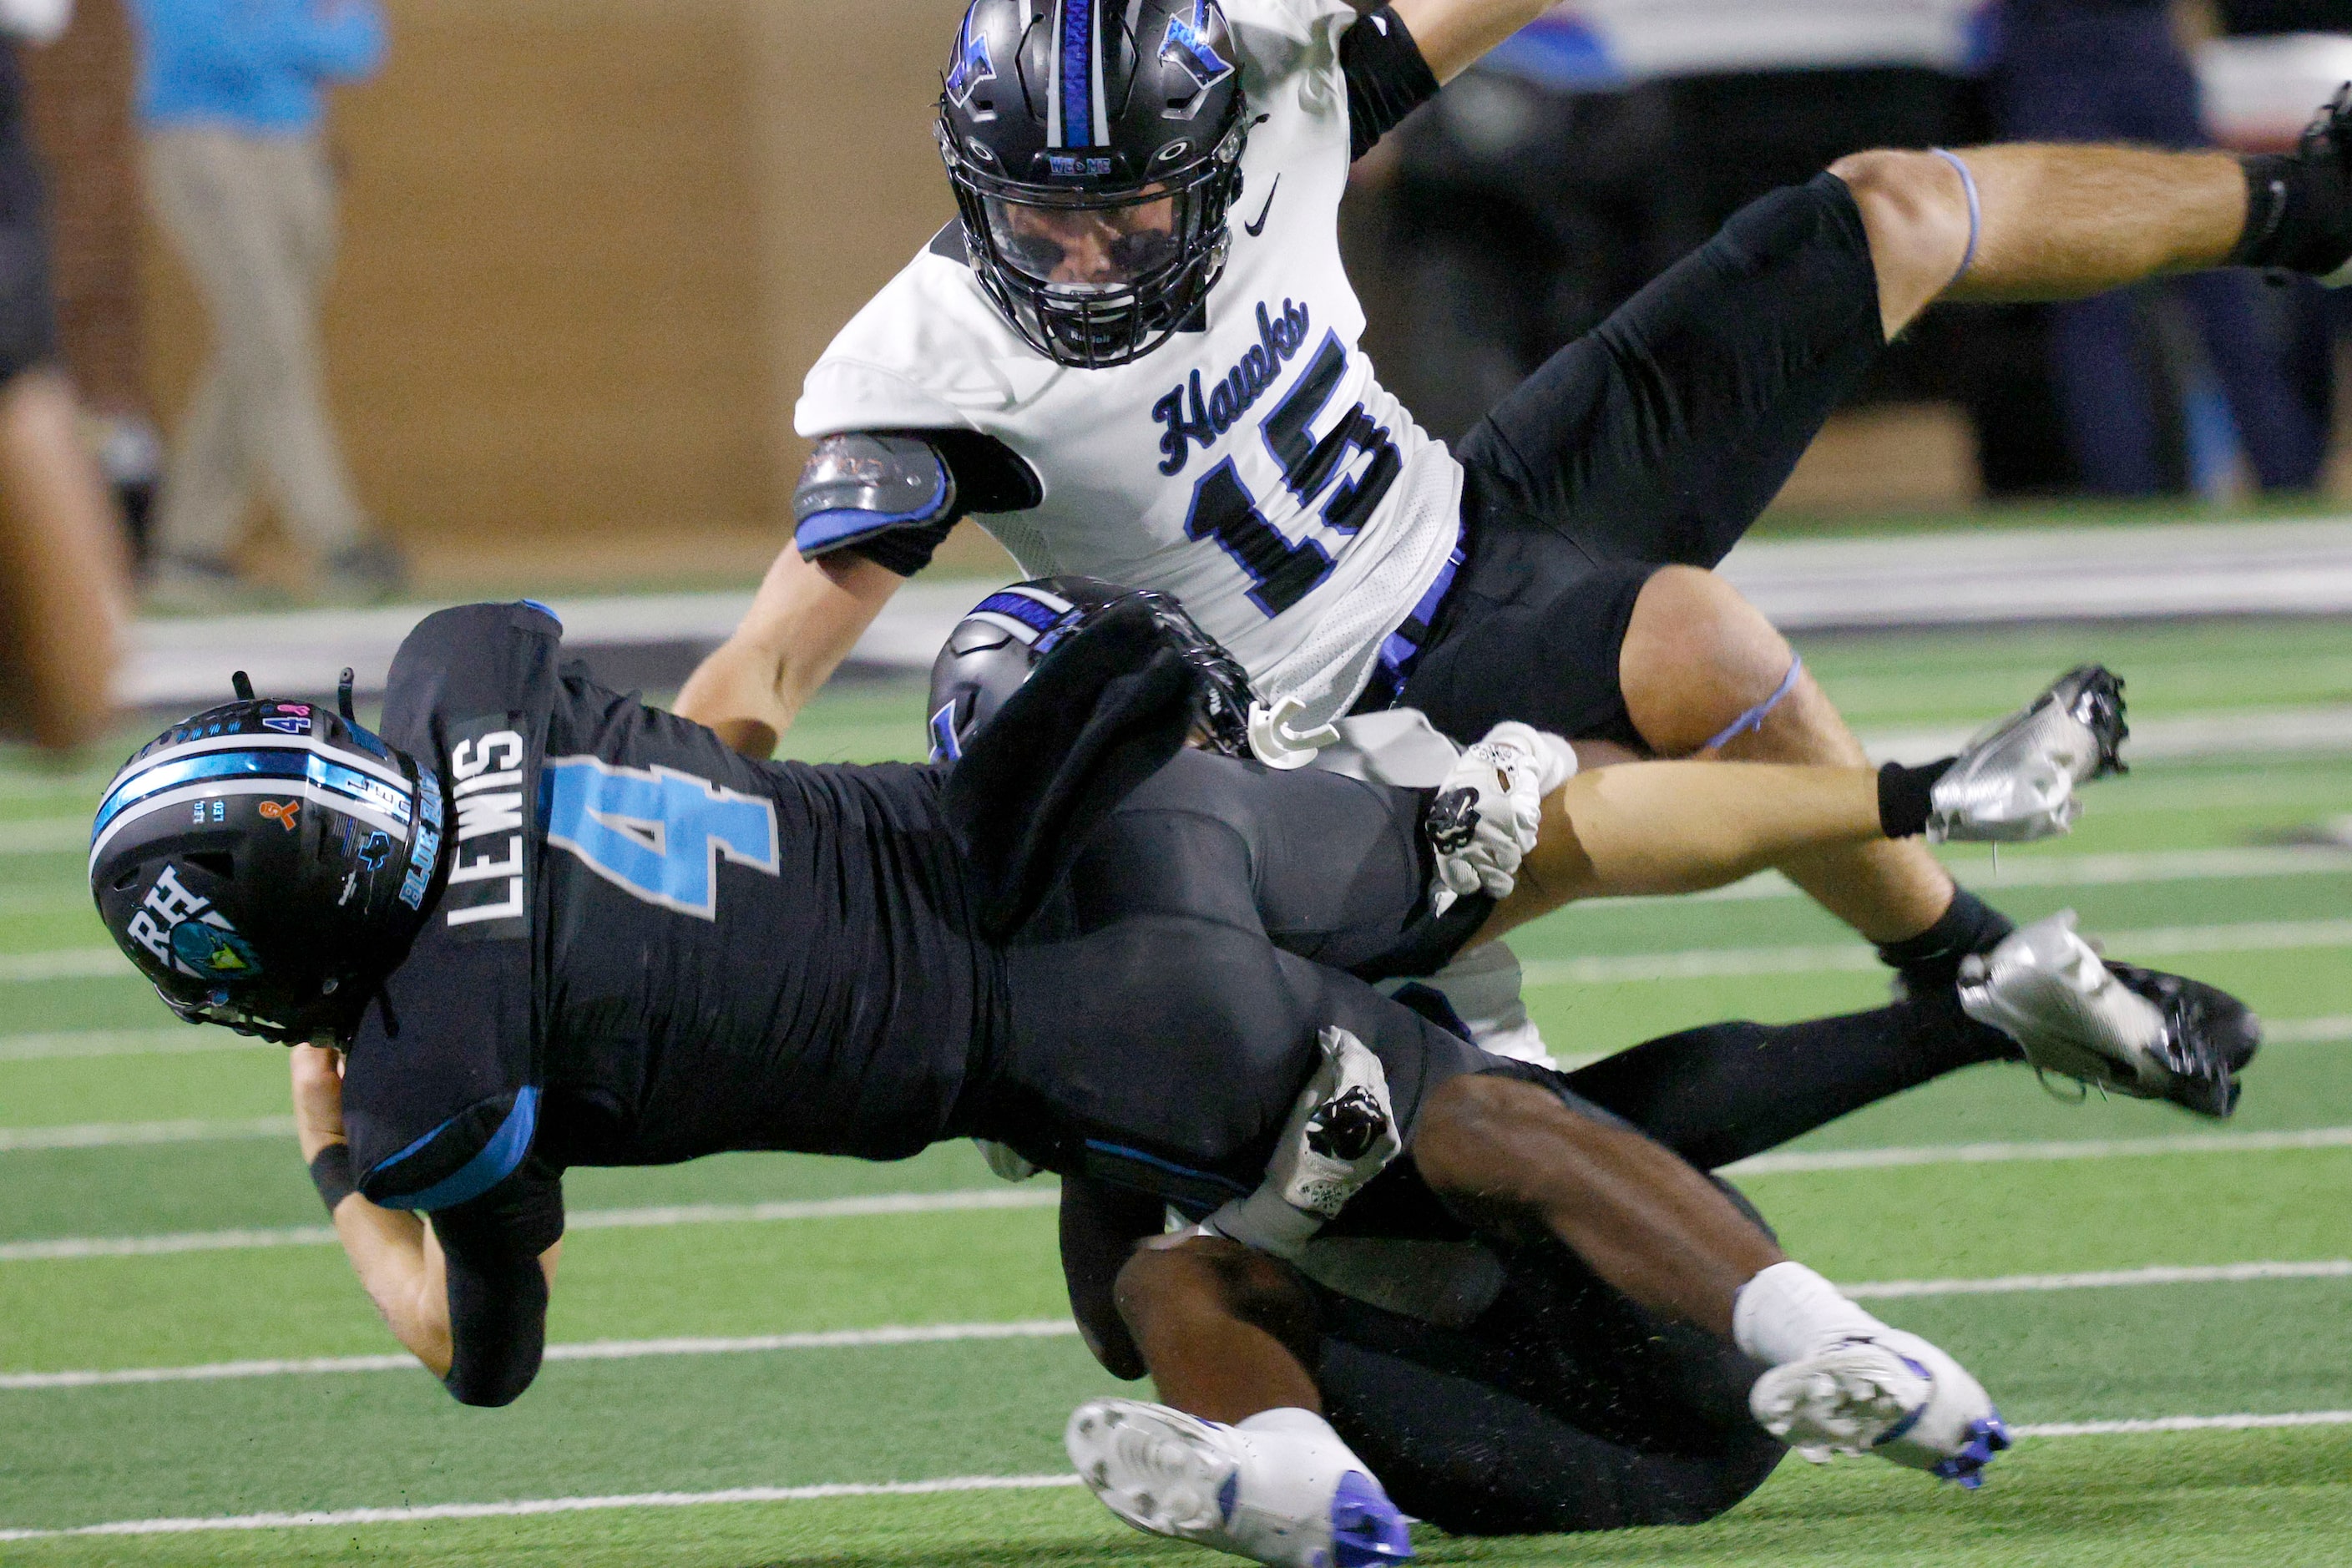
1135	357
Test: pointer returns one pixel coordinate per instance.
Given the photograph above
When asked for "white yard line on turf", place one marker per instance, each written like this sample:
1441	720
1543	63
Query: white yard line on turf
2308	1031
954	1200
2005	1153
2128	1428
2102	1280
2031	870
591	1349
76	1045
1047	1328
556	1505
1708	963
71	1248
538	1506
113	1134
66	963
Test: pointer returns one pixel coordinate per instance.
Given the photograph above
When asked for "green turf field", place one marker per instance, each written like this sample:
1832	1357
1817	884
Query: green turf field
155	1217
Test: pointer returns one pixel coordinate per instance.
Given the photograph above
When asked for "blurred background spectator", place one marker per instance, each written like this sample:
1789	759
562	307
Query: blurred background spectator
236	169
61	561
79	106
2115	70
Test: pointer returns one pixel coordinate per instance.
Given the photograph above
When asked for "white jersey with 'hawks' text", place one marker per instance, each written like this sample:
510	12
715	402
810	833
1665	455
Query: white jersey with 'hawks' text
1255	468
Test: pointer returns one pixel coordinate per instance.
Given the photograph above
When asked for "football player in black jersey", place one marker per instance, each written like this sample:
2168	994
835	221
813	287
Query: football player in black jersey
539	924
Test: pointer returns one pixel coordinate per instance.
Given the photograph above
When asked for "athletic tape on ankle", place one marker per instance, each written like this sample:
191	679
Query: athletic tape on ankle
1753	718
1976	209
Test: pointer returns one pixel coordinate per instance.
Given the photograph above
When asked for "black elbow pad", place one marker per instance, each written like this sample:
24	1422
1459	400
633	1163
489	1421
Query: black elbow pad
860	484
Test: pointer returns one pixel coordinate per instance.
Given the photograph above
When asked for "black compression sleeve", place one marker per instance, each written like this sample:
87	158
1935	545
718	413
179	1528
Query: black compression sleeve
498	1329
497	1293
1387	78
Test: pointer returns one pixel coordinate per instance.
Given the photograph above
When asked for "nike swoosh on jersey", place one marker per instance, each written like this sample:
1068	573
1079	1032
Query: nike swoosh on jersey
1255	230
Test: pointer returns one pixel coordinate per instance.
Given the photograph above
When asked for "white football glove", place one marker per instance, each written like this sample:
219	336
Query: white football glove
1340	1134
1489	809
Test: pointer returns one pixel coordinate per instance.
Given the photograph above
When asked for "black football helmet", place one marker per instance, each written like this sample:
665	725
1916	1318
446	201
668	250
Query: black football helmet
267	864
1095	146
994	649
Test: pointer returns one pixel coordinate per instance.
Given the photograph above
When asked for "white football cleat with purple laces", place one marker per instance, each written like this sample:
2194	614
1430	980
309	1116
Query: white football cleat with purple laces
1280	1488
1889	1394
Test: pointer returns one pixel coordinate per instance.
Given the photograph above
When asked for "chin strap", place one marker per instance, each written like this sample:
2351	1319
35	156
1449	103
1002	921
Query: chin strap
1273	741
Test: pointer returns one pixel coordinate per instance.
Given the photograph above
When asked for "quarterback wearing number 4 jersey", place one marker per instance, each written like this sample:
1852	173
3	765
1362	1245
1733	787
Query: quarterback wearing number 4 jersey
541	925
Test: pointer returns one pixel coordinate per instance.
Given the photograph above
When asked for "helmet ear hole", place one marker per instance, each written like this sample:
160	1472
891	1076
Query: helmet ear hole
129	879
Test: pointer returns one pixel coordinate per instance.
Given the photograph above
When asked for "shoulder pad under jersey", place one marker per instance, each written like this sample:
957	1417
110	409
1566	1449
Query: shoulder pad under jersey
859	484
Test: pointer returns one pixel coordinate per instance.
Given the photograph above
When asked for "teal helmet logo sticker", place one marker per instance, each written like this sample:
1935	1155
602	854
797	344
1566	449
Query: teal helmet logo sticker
213	952
182	930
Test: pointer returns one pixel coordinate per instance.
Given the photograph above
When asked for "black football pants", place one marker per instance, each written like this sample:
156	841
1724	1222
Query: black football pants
1654	440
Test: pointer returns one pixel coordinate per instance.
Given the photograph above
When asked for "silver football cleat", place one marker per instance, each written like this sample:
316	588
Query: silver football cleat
2135	1031
2015	781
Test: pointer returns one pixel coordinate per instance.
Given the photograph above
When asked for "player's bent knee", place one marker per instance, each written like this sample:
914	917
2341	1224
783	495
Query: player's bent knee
1914	211
1697	658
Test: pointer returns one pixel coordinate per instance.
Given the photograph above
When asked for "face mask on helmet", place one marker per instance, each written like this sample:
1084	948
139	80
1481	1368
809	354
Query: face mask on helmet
1095	150
993	651
267	864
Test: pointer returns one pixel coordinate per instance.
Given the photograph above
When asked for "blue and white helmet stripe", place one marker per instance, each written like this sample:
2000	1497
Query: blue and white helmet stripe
1033	618
1077	111
257	764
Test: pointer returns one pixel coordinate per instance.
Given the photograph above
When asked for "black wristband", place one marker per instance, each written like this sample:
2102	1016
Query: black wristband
330	1173
2297	215
1906	798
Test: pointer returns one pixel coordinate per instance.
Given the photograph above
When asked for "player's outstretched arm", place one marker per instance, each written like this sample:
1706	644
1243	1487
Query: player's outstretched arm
394	1253
1454	34
391	1251
804	620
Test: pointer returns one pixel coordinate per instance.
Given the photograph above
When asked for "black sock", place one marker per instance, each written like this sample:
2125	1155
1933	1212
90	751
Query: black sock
1930	962
2298	213
1904	798
1724	1091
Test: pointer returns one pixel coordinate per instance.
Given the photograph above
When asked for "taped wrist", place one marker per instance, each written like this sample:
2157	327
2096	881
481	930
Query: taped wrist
1907	797
330	1173
2298	214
